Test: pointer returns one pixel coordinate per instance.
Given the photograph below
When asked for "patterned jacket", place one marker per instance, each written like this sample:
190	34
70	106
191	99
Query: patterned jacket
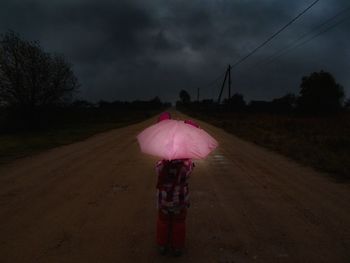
172	185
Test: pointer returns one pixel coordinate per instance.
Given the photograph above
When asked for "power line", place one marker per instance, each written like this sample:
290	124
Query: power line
262	44
322	32
309	39
214	81
274	35
298	42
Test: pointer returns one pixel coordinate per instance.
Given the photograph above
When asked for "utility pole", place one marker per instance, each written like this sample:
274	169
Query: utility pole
198	94
228	73
229	81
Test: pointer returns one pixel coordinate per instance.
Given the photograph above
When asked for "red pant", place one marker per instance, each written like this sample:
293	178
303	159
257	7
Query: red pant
171	229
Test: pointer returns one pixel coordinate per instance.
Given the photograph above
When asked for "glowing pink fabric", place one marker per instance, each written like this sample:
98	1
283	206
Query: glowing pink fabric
191	122
173	139
164	116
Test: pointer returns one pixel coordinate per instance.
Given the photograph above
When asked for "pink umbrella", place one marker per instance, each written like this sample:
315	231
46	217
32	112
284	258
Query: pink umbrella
164	116
173	139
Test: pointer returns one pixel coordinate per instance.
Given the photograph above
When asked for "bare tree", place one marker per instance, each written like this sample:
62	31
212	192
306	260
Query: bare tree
30	77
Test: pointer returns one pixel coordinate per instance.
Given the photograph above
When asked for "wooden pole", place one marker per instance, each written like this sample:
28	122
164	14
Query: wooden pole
229	81
222	87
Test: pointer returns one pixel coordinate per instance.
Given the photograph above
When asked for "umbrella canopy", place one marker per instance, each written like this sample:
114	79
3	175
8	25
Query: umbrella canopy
173	139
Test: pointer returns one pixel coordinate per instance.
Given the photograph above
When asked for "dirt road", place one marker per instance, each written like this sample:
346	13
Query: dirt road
94	201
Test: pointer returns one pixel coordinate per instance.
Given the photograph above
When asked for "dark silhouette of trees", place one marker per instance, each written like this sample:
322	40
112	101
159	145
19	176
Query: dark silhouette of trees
153	104
235	103
284	104
320	94
185	97
258	106
347	105
31	78
82	104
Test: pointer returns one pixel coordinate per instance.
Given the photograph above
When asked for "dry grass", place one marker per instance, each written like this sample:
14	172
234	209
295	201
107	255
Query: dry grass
20	144
321	142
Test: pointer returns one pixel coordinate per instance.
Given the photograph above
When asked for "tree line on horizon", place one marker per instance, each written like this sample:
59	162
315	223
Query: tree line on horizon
319	94
37	87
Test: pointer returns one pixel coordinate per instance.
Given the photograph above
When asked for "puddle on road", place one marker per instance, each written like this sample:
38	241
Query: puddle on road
219	158
219	161
216	161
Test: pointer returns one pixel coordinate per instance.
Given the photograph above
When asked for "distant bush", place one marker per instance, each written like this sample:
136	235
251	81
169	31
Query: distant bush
153	104
184	97
347	105
320	94
235	103
81	111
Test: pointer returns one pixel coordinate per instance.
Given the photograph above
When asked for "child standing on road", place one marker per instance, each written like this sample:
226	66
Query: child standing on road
173	201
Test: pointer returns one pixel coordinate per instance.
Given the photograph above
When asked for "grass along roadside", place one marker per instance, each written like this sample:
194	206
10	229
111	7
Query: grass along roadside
21	144
323	143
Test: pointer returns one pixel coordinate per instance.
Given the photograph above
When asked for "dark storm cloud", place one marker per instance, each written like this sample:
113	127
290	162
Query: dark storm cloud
140	49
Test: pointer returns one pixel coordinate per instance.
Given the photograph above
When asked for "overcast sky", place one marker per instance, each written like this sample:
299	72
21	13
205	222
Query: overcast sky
138	49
